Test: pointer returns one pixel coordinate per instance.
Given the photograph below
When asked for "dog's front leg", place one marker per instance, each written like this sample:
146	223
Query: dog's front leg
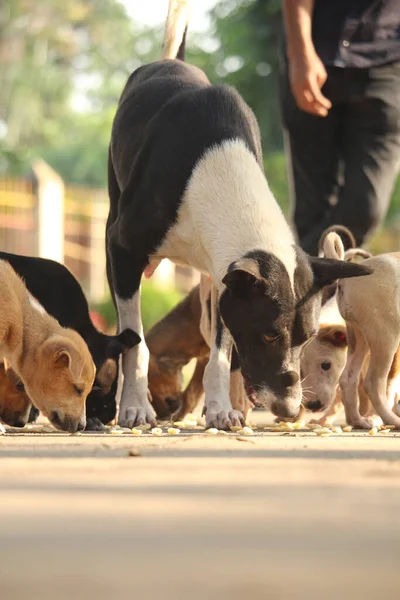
217	405
135	408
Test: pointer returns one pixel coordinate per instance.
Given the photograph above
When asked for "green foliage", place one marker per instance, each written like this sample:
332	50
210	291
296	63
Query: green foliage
155	303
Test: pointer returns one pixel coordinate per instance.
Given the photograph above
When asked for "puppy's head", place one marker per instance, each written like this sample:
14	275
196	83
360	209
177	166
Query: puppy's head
165	384
322	362
271	314
60	378
15	404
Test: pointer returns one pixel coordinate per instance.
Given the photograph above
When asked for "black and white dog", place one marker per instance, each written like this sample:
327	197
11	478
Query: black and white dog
186	182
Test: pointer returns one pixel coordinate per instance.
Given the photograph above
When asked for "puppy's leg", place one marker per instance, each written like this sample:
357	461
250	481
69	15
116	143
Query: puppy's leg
349	379
328	418
383	351
393	380
217	404
193	391
239	399
126	269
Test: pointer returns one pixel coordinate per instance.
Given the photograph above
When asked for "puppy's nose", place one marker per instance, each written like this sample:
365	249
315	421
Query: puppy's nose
81	426
280	409
290	378
314	405
20	423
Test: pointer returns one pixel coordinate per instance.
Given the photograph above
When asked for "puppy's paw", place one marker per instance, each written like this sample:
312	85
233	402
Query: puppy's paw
94	424
224	419
361	423
132	416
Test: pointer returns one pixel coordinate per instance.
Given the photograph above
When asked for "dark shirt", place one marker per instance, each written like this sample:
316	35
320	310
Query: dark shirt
357	33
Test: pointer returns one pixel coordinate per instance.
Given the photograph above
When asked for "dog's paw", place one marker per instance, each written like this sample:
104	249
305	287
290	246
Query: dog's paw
224	419
132	416
361	424
94	424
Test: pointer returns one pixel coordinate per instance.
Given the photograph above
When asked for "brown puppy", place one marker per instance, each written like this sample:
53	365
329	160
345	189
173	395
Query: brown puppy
14	402
53	363
173	342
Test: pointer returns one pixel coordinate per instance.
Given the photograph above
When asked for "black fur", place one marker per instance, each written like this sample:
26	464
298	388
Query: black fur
57	290
168	116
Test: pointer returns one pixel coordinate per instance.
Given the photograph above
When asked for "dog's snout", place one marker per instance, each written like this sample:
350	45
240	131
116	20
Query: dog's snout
55	418
20	423
314	405
290	378
66	423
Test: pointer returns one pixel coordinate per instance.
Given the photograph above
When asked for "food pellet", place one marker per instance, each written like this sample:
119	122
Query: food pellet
212	431
137	431
235	428
190	422
348	428
173	431
246	431
156	431
116	432
373	431
384	431
314	426
179	424
337	429
323	430
144	427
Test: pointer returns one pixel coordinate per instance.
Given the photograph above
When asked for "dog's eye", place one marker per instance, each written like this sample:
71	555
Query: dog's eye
78	390
326	365
272	337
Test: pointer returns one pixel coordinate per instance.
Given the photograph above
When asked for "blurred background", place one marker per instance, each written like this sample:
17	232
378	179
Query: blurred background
62	68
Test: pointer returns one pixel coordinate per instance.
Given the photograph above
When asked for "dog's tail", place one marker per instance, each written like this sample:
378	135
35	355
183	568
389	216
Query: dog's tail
333	246
345	233
175	29
356	254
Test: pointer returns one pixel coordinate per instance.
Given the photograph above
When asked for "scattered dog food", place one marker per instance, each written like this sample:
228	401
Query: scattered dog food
157	431
173	431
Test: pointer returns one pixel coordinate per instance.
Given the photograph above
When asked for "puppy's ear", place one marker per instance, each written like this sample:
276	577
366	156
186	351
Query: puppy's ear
123	341
243	279
327	270
334	335
170	364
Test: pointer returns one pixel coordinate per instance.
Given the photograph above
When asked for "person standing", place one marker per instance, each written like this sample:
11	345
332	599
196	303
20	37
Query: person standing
340	95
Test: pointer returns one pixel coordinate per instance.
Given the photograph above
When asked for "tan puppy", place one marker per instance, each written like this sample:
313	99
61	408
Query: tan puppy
323	359
173	342
14	402
371	309
53	362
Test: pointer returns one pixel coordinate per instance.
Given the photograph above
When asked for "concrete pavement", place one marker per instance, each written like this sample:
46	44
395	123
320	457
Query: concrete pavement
195	516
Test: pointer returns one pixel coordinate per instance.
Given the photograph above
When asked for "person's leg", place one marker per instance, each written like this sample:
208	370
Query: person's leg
370	150
311	148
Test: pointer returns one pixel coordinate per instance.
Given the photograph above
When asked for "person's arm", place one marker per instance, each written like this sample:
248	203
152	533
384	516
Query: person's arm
307	73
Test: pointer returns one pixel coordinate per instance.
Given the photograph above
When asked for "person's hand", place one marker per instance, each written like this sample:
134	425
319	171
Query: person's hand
307	75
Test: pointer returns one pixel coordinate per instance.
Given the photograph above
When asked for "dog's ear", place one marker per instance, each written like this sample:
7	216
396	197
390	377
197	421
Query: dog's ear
123	341
243	279
170	364
327	270
334	335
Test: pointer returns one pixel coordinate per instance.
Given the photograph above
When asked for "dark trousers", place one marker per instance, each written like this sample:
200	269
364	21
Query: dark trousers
343	167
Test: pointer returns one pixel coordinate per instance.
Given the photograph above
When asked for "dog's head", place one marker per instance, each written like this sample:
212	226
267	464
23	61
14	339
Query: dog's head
322	362
272	315
15	404
106	350
165	384
59	379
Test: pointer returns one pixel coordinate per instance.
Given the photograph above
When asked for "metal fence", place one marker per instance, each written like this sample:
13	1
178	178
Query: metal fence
23	230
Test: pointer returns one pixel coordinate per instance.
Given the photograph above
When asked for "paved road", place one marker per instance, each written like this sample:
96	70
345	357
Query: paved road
199	517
